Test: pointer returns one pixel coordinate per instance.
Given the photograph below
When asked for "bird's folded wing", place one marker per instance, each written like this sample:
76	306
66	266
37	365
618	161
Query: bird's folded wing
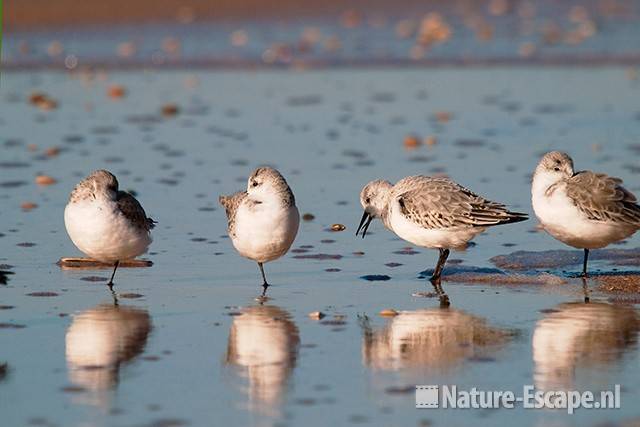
230	204
603	198
441	203
132	210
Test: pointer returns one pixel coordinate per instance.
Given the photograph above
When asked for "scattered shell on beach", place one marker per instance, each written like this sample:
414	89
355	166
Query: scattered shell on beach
388	312
411	142
45	180
170	110
27	206
116	91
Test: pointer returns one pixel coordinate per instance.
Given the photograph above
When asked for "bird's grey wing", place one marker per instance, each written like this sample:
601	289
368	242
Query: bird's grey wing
602	198
442	203
231	204
132	209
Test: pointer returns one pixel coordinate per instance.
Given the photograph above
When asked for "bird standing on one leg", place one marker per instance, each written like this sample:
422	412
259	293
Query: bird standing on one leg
586	210
262	221
432	213
105	223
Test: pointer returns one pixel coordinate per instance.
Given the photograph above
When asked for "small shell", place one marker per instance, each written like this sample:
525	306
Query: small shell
27	206
52	151
116	91
316	315
388	312
443	116
411	142
45	180
338	227
170	110
430	141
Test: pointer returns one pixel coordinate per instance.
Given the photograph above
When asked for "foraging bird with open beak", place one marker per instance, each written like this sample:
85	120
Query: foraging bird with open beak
431	212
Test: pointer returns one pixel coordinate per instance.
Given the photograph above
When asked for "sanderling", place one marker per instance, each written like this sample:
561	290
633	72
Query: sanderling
106	336
586	210
263	344
106	224
262	221
428	340
572	335
431	212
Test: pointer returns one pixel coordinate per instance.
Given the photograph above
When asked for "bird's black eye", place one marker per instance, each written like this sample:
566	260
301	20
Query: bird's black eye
556	169
254	184
368	200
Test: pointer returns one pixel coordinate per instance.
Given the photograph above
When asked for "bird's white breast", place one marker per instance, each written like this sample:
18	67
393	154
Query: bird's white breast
99	230
445	238
561	218
265	231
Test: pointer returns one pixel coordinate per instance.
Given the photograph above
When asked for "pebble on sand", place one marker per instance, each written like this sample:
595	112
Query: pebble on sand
338	227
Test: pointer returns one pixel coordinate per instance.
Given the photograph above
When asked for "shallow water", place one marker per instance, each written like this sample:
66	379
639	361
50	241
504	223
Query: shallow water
187	344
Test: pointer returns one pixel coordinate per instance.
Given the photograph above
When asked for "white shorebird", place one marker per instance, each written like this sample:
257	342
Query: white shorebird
262	221
586	210
431	212
99	342
263	344
106	224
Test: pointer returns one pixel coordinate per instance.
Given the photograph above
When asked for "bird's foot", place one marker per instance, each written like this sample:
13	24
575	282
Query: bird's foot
579	276
444	301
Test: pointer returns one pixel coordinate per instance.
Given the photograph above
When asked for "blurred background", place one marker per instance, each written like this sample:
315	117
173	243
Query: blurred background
223	33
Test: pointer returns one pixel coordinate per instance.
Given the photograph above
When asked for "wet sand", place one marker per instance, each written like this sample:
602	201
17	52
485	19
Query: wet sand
181	348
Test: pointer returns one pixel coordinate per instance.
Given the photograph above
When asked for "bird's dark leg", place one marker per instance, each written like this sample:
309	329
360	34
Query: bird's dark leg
436	281
115	297
585	290
265	285
115	267
584	263
442	259
442	296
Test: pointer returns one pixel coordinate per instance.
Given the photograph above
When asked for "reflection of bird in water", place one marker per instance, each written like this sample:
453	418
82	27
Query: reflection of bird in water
263	342
432	340
580	335
99	340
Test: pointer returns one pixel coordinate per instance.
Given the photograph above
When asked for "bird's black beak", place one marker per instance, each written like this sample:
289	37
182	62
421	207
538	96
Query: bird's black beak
364	223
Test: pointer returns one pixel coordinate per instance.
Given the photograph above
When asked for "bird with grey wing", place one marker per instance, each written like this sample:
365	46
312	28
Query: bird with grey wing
585	210
107	224
432	212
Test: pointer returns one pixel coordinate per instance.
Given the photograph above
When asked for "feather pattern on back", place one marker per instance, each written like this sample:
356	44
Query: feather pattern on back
132	210
437	203
231	204
602	198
